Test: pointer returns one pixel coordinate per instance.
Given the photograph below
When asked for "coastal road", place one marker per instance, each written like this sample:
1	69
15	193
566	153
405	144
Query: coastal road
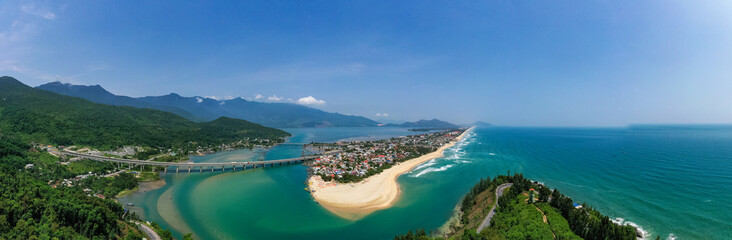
148	230
499	193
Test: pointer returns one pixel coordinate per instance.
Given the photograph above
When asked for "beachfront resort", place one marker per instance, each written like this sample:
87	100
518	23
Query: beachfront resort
361	159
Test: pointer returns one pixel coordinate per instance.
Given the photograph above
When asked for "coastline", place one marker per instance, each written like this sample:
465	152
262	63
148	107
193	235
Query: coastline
354	201
143	187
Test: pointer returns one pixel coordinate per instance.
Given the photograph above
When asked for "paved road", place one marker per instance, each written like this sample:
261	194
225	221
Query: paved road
499	193
148	230
192	164
116	173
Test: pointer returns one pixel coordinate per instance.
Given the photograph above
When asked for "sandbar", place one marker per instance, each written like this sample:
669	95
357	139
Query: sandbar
356	200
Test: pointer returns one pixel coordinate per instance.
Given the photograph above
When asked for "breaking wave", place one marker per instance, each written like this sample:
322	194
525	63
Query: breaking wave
431	169
643	233
426	164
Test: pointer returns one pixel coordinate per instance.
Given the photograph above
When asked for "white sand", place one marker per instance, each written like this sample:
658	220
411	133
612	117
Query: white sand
356	200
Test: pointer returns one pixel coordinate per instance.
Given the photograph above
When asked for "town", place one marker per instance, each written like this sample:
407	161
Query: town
361	159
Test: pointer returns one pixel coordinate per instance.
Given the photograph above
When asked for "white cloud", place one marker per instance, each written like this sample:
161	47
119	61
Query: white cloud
220	98
382	114
310	100
32	10
258	96
199	100
274	98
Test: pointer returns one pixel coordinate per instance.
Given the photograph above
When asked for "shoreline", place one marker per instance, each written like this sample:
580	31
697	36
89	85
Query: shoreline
143	187
354	201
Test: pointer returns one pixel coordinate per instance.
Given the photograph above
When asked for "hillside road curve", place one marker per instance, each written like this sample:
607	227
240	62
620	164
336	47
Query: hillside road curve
499	193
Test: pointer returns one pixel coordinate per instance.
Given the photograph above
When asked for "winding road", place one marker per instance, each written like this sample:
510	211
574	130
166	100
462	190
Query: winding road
499	193
148	230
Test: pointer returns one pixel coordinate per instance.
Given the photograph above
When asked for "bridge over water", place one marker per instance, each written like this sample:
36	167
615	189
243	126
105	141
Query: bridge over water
199	166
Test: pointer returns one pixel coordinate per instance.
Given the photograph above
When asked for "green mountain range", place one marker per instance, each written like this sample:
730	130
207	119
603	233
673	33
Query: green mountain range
46	117
280	115
431	124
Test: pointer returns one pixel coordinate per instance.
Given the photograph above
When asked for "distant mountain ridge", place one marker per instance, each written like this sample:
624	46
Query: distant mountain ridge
434	123
280	115
477	124
47	117
97	94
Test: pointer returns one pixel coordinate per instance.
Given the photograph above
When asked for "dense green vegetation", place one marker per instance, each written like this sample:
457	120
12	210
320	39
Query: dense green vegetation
46	117
165	234
587	222
35	200
16	154
32	209
86	166
109	187
519	218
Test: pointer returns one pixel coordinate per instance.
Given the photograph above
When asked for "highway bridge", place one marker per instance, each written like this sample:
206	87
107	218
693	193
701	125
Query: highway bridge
188	166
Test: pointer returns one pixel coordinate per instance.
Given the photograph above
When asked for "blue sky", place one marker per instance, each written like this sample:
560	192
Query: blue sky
527	63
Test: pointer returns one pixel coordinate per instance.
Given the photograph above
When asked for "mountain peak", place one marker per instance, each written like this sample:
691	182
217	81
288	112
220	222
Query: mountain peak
71	89
205	108
10	81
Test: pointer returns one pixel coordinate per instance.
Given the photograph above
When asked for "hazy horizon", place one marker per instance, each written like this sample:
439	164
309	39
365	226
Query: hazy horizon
510	64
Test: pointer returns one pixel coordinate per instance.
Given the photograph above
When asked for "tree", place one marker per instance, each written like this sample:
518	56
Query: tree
188	236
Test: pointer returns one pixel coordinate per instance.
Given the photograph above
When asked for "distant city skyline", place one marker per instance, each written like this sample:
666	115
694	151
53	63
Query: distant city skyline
559	63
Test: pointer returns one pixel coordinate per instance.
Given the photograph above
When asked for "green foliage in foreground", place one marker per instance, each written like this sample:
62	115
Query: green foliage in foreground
89	166
110	187
46	117
32	209
418	234
518	219
165	234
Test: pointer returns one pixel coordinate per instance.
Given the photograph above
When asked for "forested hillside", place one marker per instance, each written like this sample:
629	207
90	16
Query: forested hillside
30	208
46	117
527	210
281	115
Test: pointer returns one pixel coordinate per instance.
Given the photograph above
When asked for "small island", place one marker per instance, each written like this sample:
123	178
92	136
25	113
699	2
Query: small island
362	179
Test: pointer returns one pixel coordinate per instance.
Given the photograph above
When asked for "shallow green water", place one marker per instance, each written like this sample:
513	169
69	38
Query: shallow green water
669	181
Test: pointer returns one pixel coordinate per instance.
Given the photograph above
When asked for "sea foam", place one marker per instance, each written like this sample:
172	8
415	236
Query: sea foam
644	234
426	164
431	169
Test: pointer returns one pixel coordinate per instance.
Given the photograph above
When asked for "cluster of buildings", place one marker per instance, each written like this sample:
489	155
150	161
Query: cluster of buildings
360	159
70	182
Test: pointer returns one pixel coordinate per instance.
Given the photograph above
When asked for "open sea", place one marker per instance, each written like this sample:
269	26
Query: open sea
671	181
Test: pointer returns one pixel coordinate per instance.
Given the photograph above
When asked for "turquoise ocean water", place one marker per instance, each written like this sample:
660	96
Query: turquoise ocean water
672	181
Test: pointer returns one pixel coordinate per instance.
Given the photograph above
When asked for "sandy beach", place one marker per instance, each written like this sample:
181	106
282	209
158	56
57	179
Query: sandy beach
356	200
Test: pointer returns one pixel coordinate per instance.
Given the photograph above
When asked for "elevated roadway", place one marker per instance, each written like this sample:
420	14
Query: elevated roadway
199	166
